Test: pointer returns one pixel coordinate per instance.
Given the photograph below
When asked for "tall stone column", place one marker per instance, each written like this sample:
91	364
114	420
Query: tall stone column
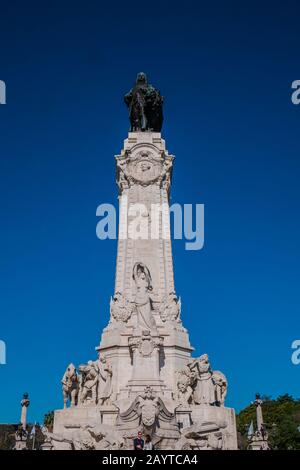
144	174
25	402
259	439
144	171
259	416
21	433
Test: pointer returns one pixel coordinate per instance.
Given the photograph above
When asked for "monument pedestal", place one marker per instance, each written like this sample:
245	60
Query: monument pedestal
80	416
206	427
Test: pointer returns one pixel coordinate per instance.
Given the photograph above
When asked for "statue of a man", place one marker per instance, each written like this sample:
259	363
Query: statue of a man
89	381
145	106
142	278
70	385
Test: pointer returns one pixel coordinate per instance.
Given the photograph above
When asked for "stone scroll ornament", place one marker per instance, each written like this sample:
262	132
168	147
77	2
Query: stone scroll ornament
145	105
105	381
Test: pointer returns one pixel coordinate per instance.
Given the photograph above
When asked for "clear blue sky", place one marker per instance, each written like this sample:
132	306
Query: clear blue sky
225	70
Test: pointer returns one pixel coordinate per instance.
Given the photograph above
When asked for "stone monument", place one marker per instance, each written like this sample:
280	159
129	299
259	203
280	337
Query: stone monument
259	439
21	434
145	376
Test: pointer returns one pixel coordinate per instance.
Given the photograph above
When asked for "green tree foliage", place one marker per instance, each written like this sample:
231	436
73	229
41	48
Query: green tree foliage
282	419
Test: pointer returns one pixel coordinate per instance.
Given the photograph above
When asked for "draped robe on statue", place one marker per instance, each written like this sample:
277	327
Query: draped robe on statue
204	392
145	319
105	380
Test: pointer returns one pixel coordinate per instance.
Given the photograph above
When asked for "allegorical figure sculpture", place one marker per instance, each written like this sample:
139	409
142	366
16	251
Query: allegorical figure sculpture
94	436
184	390
199	384
89	382
145	106
70	385
96	381
142	278
221	385
204	391
105	381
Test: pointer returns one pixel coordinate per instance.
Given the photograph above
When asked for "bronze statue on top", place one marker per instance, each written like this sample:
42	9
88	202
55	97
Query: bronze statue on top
145	106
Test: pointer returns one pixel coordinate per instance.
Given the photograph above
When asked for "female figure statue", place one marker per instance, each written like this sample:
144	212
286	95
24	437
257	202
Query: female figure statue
142	278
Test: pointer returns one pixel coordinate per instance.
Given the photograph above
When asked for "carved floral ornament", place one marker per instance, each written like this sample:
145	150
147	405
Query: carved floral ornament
144	167
170	308
120	308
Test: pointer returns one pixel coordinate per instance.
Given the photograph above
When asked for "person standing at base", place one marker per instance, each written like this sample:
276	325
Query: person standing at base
138	442
148	443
